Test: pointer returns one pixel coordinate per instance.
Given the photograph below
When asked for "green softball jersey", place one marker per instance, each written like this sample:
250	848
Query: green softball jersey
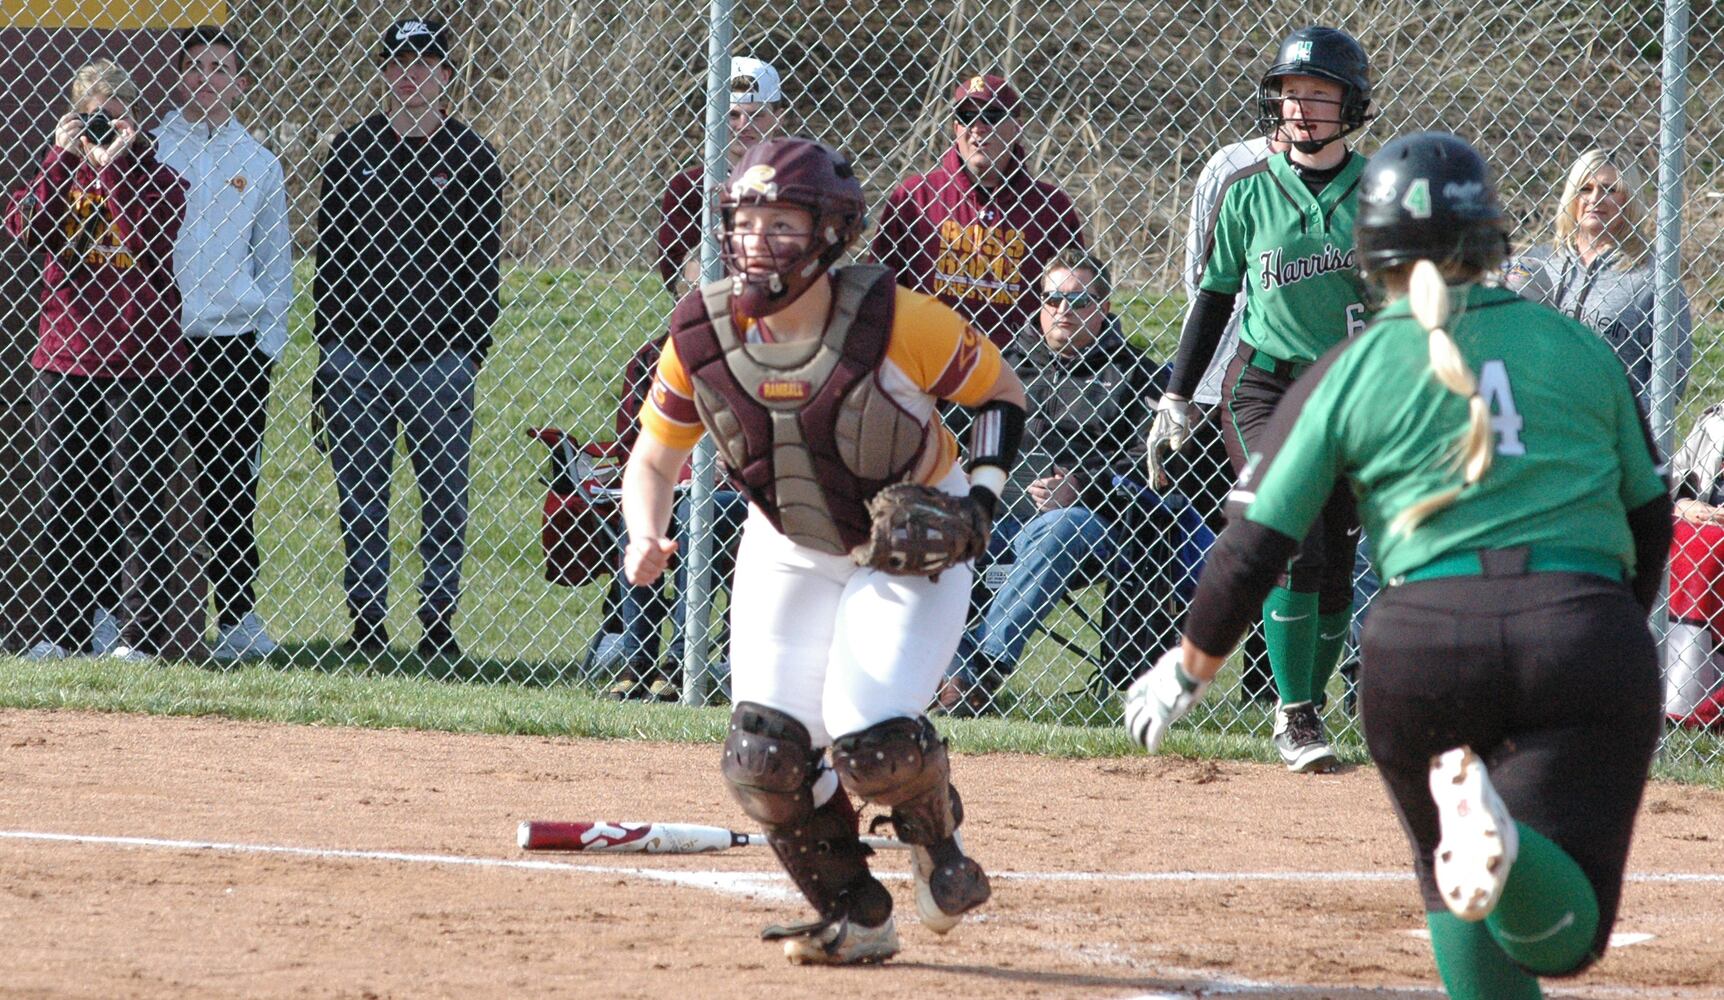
1292	254
1572	453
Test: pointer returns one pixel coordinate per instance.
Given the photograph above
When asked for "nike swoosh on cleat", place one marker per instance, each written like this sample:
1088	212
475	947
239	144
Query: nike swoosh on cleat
1278	616
1561	925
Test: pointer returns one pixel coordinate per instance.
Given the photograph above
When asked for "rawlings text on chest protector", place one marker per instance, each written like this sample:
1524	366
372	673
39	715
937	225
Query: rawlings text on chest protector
804	428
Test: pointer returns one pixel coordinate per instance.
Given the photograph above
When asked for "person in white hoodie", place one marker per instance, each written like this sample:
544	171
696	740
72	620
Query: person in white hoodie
234	266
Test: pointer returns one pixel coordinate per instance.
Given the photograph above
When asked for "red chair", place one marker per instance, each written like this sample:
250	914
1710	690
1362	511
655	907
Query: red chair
580	525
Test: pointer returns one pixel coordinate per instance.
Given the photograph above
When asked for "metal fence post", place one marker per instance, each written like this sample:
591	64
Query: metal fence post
697	601
1667	278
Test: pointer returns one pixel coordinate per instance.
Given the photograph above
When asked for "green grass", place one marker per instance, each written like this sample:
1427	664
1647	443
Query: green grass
379	699
562	341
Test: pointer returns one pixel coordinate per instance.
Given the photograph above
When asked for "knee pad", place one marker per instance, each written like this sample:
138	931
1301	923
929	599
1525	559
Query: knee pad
770	765
902	764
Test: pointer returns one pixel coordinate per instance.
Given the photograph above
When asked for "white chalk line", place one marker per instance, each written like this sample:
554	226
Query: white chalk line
775	885
709	877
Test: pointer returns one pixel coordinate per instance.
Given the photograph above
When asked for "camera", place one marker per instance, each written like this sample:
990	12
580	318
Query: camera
98	127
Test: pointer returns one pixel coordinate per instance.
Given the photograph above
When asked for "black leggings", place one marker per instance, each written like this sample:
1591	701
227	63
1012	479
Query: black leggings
1551	677
1324	564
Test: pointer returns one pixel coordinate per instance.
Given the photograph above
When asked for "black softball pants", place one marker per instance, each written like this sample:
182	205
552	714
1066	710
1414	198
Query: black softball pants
1552	678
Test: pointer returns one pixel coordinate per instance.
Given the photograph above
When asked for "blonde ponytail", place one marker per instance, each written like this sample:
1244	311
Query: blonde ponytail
1428	296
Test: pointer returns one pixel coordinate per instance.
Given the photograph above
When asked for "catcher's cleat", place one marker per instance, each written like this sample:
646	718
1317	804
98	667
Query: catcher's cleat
1300	741
836	942
948	884
1479	837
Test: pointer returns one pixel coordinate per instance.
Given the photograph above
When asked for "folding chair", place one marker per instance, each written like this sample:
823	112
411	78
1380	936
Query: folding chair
1160	543
580	529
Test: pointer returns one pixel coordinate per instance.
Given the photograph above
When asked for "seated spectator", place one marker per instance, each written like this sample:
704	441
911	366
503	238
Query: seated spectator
1694	668
103	213
642	609
1599	267
1091	396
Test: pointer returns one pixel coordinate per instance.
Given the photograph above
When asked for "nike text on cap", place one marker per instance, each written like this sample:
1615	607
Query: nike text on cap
416	36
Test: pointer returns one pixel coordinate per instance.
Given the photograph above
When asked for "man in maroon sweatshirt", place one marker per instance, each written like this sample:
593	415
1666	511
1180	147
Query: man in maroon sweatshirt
978	230
103	213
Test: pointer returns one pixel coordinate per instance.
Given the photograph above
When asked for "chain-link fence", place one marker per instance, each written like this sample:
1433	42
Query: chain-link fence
489	293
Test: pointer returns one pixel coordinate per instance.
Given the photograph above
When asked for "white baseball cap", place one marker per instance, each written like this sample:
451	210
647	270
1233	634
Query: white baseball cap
753	81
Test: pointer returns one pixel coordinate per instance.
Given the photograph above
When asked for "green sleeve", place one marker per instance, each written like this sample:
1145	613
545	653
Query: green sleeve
1224	270
1641	482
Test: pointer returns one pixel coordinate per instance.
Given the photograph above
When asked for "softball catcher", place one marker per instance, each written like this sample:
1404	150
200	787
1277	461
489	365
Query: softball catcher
853	573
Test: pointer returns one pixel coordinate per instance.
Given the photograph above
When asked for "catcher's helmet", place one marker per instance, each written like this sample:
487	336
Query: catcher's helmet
1328	54
809	175
1428	196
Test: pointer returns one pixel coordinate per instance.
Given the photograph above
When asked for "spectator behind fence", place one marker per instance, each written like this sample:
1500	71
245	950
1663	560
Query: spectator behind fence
103	212
1064	511
756	113
406	295
234	264
977	231
642	608
1599	268
1694	649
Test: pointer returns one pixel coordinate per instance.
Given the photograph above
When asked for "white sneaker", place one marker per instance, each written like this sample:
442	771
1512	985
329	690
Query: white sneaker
244	641
104	632
128	654
1479	838
844	943
922	870
45	650
1300	741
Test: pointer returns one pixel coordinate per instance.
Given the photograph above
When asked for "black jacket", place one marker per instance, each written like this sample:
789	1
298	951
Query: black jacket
408	243
1088	414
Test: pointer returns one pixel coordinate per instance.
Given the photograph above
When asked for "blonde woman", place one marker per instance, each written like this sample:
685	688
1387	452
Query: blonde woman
102	215
1509	487
1598	267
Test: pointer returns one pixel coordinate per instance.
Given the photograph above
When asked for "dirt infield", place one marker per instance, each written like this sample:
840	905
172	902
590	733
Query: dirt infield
1131	878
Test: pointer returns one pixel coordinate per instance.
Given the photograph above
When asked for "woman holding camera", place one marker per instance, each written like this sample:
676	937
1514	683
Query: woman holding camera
103	214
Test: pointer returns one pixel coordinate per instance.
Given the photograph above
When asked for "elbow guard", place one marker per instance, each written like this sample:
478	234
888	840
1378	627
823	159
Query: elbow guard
996	434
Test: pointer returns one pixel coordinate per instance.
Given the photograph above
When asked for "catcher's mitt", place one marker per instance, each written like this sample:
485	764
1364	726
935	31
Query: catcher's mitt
920	531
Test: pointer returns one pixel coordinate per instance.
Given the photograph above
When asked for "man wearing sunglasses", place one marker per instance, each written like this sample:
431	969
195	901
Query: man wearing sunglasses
1064	513
756	113
978	230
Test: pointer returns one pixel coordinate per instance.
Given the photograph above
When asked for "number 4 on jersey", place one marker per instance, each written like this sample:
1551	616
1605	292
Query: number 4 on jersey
1506	421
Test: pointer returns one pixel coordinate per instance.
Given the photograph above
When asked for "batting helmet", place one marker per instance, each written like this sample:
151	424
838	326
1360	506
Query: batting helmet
808	175
1327	54
1428	196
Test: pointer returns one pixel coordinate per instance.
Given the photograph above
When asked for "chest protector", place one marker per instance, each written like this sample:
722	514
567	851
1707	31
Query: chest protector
804	429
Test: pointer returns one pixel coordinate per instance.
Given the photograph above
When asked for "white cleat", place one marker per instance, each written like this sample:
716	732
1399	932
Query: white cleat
1479	838
922	870
844	943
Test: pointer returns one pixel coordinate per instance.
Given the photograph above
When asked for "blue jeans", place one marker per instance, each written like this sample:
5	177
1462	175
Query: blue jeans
366	404
1052	553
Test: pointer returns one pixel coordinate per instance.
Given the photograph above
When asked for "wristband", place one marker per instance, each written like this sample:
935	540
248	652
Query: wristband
995	436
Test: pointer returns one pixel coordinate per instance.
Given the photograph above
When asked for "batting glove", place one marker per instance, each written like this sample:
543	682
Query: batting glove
1169	432
1160	698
